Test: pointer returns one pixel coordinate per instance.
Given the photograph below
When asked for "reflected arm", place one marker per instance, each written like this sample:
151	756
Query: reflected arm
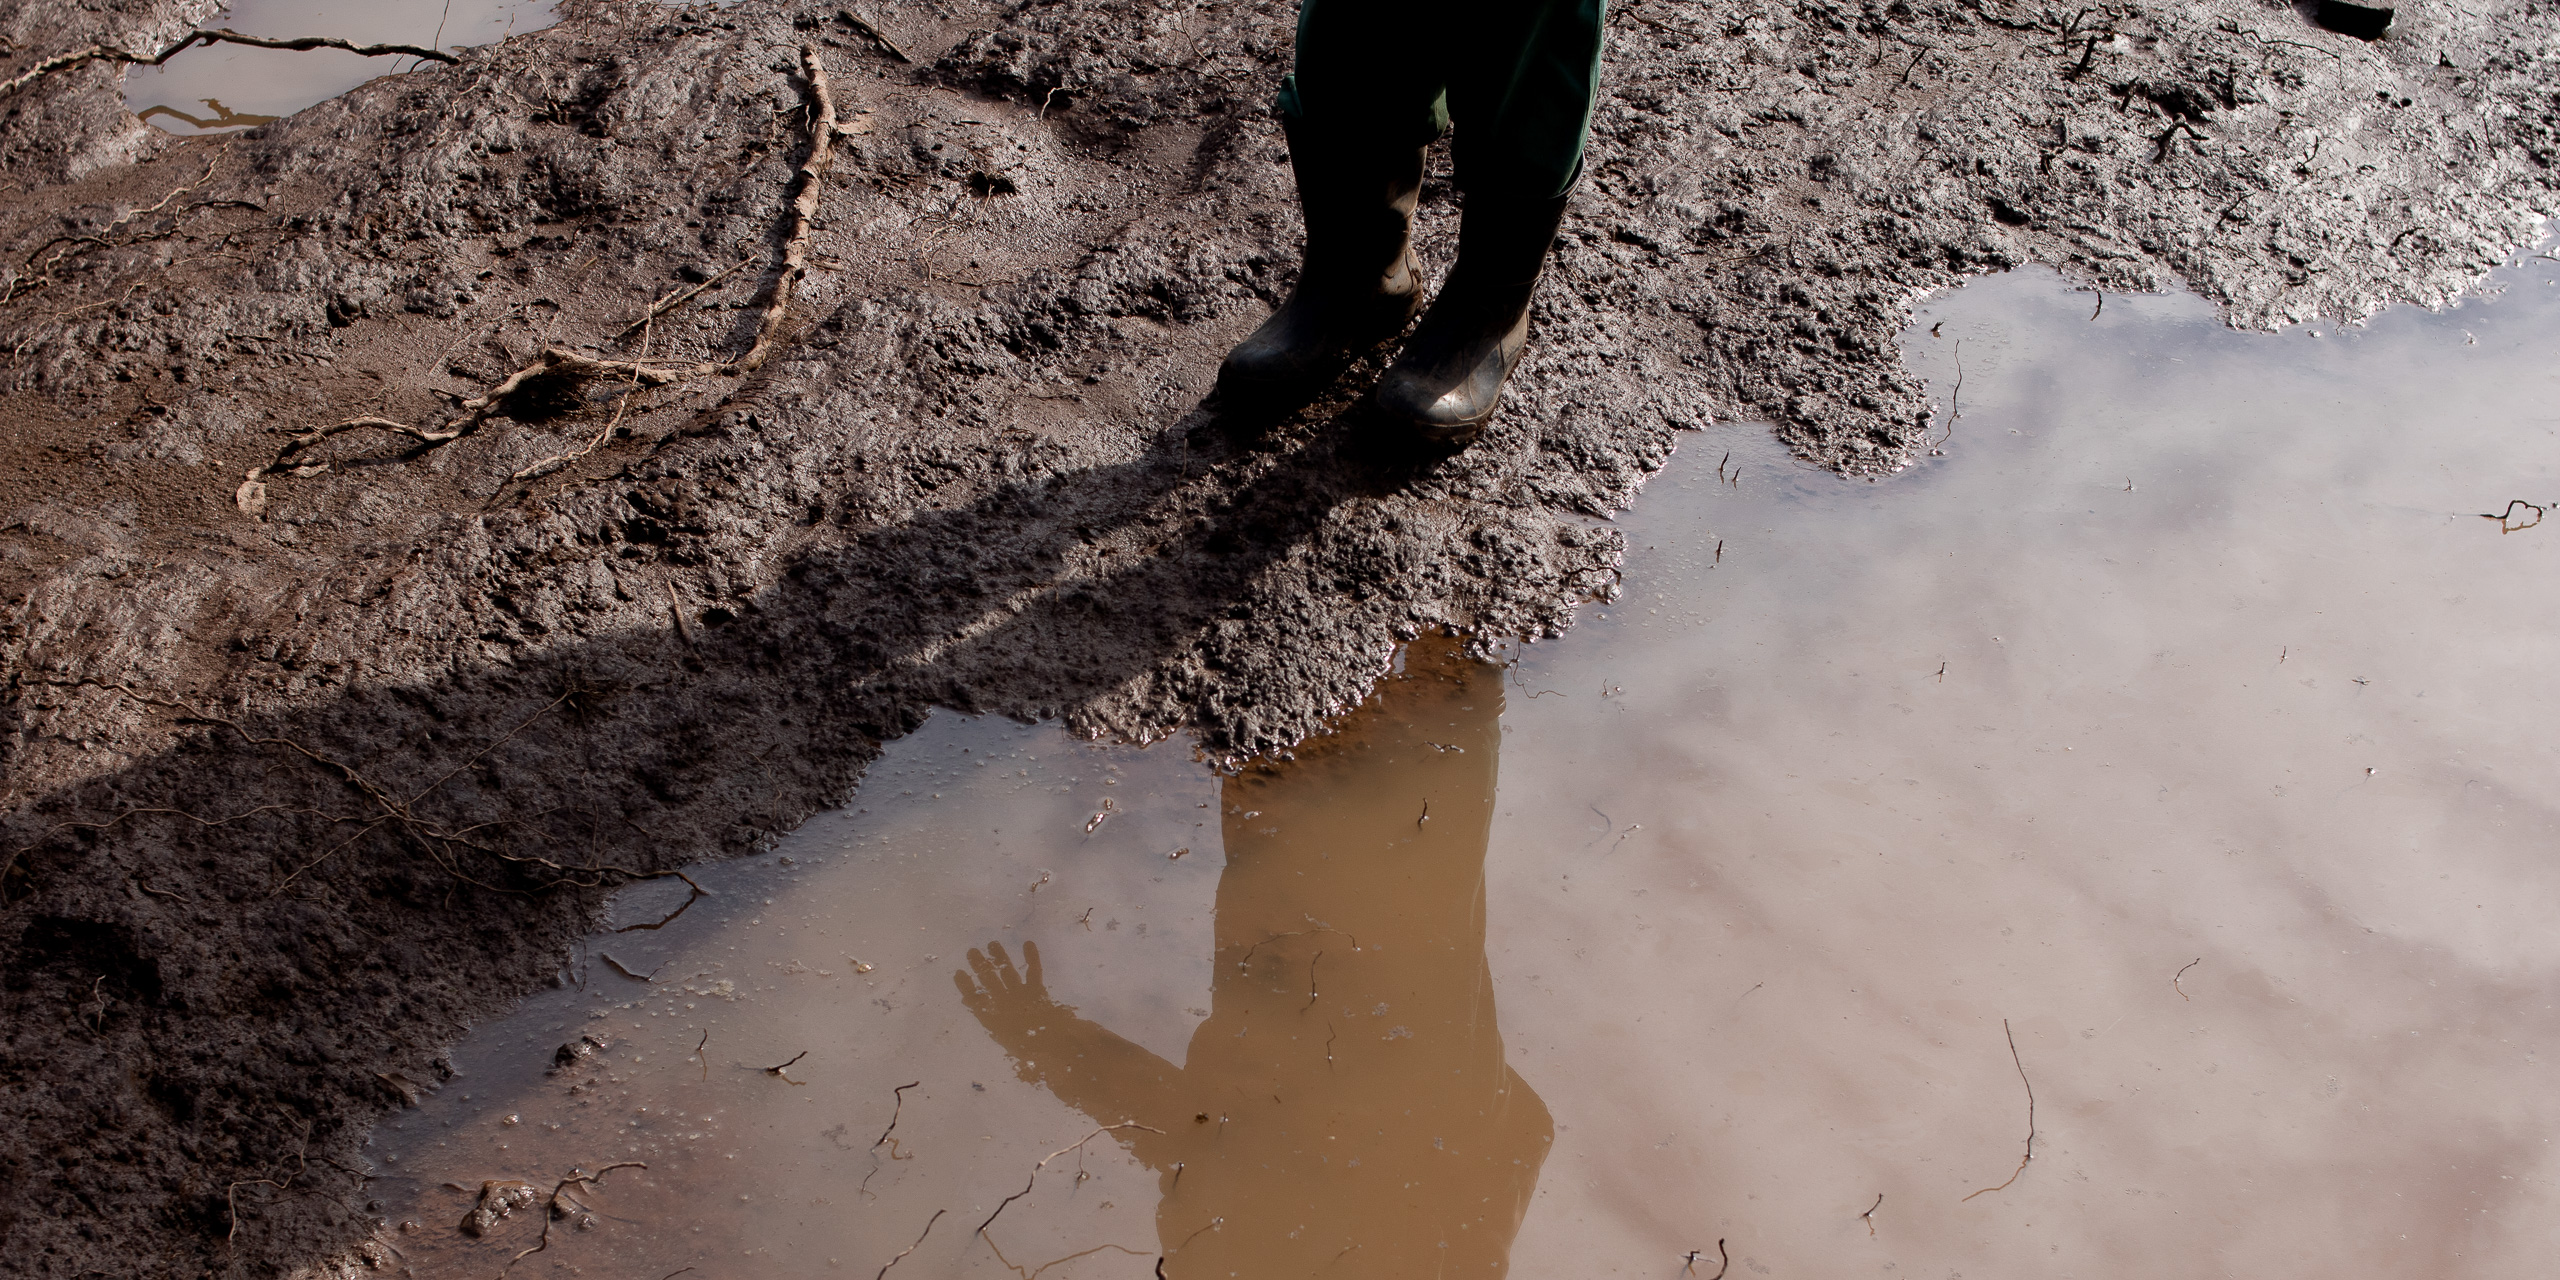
1087	1065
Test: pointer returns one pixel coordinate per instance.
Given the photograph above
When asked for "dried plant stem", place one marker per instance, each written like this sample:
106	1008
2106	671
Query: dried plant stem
551	1206
212	35
902	1253
2031	1113
1077	1145
559	363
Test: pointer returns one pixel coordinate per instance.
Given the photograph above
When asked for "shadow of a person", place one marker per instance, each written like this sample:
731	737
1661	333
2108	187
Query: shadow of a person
1345	1109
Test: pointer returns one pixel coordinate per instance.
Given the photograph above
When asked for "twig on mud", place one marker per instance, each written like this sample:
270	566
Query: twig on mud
2504	517
657	309
2031	1113
2102	302
701	1057
2182	972
2236	29
1955	398
231	1194
877	36
1034	1273
145	886
1722	1261
1870	1215
621	406
10	862
902	1253
777	1071
675	609
2169	136
896	1109
697	893
551	1207
558	364
216	35
36	276
1077	1145
899	1093
98	1019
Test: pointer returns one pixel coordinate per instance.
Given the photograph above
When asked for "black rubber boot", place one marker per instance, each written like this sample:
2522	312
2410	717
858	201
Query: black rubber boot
1359	285
1448	380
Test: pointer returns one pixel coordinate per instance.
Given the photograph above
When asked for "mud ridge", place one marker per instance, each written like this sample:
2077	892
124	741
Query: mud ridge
978	474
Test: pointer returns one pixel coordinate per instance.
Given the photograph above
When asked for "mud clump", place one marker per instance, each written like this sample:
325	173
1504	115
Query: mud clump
292	797
498	1201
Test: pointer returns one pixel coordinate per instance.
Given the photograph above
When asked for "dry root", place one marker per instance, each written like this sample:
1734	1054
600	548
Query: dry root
552	1212
558	364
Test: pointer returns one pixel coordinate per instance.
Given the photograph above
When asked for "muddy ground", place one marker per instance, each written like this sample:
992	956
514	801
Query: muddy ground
294	793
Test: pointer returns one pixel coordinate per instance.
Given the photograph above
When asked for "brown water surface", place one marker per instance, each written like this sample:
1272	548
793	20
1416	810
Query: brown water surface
2176	748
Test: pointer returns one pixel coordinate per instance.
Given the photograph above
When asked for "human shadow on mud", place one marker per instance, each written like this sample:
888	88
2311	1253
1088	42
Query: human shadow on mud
1345	1109
227	958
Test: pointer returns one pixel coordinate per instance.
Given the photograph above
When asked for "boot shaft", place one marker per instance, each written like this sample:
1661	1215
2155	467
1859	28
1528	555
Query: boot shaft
1359	206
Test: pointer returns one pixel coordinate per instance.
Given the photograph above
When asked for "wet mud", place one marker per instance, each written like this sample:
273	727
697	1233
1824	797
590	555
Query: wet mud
412	716
2228	851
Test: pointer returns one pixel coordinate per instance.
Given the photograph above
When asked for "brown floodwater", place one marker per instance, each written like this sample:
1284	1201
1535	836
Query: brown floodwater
216	88
2161	782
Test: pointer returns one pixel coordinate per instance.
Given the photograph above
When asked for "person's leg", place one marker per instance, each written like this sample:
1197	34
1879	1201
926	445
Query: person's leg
1521	92
1359	109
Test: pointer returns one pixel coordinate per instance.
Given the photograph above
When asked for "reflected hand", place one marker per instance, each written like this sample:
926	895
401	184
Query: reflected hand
999	989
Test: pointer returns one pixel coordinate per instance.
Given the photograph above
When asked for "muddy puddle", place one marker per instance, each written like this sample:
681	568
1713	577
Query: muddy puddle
217	88
2160	784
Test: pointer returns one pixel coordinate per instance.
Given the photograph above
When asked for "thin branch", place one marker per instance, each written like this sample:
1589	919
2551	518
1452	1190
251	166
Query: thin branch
902	1253
887	46
603	433
900	1094
681	297
1723	1261
210	36
2031	1112
551	1207
808	184
1077	1145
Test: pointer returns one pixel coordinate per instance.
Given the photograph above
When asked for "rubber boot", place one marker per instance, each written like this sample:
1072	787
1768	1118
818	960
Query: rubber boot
1359	285
1448	380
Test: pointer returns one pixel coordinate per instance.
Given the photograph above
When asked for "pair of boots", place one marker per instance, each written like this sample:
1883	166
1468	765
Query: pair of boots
1359	286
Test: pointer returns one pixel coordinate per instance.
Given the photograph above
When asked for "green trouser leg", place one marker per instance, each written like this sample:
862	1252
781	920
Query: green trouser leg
1517	77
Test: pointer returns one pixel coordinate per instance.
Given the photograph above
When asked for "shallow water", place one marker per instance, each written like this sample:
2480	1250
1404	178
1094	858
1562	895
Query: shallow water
216	88
2183	726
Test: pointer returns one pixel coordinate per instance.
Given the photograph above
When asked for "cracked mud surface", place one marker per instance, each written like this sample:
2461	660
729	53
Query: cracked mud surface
293	798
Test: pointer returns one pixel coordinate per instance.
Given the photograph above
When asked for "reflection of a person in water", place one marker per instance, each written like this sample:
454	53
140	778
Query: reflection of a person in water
1345	1110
